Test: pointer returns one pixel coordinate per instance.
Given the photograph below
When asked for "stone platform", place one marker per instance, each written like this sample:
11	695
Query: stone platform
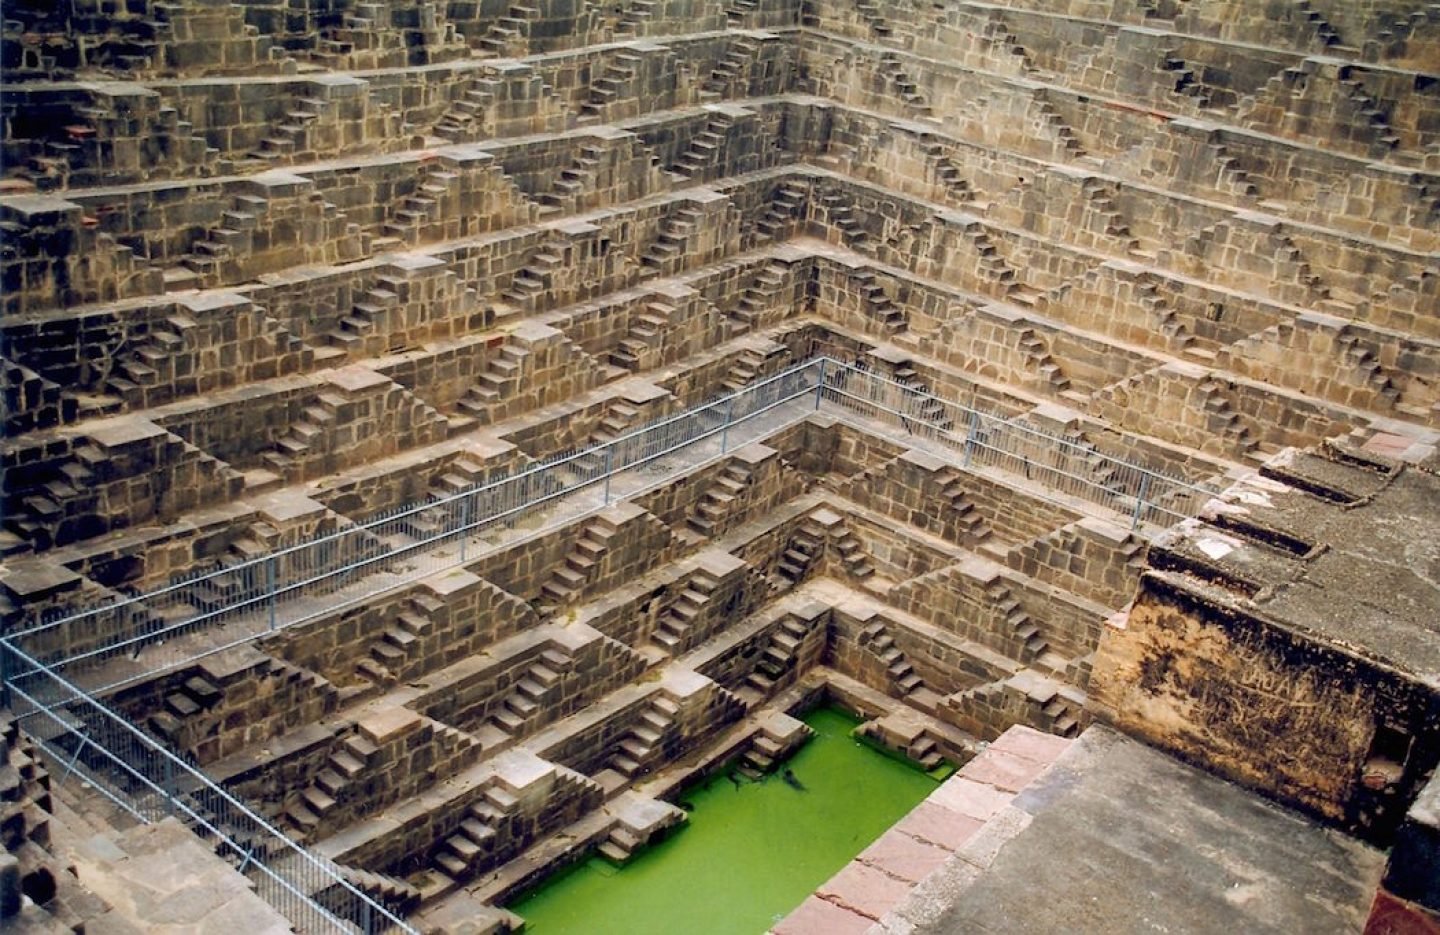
1099	834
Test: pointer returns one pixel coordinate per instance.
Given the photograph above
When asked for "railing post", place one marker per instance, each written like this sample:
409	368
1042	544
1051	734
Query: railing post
1140	499
970	436
270	587
168	785
609	469
725	429
820	386
465	523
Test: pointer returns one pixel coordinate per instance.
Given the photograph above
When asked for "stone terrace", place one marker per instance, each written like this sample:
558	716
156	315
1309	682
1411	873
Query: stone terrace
270	270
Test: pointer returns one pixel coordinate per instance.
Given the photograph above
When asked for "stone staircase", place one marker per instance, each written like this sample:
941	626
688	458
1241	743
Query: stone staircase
853	557
665	255
923	404
573	183
635	352
417	217
737	10
906	89
1221	418
870	13
342	767
316	419
729	74
718	500
463	120
642	746
876	640
394	894
743	371
789	203
499	380
1100	197
475	839
634	17
1184	80
290	141
777	661
1022	629
568	581
673	629
876	304
805	546
365	328
840	215
518	709
1036	358
390	655
1051	124
152	362
968	520
194	695
757	298
705	149
529	284
614	79
509	35
950	176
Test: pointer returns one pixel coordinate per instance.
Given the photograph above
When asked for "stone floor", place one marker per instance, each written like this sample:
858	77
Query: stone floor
1099	834
160	879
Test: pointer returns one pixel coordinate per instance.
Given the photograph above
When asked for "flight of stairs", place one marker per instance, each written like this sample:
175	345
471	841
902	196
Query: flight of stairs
568	581
388	655
776	662
518	709
877	640
805	546
574	181
633	352
673	628
718	499
1022	629
666	253
725	80
499	380
642	746
619	71
705	149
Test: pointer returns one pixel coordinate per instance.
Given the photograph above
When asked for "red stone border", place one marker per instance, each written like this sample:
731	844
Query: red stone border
883	874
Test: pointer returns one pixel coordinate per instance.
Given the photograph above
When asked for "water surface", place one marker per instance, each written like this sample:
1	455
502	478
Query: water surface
749	854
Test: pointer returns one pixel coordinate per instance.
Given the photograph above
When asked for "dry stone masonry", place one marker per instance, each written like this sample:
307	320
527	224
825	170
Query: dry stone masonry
270	271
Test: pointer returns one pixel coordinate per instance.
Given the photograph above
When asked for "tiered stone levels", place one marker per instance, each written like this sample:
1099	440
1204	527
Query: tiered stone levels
271	271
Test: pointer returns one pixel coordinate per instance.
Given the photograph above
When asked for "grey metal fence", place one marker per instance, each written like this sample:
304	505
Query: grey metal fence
985	440
138	636
216	608
80	735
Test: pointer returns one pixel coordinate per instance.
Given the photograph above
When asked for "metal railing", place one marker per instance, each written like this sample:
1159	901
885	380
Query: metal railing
213	609
218	608
1008	444
81	735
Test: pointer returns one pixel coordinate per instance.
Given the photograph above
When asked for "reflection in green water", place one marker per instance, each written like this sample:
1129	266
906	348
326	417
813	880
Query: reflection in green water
749	854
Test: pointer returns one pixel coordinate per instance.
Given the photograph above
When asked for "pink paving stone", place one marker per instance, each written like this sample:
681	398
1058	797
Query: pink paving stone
971	799
1385	443
1003	770
1031	744
817	916
864	890
939	826
899	855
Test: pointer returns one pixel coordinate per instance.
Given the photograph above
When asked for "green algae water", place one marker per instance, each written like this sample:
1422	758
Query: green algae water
748	855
